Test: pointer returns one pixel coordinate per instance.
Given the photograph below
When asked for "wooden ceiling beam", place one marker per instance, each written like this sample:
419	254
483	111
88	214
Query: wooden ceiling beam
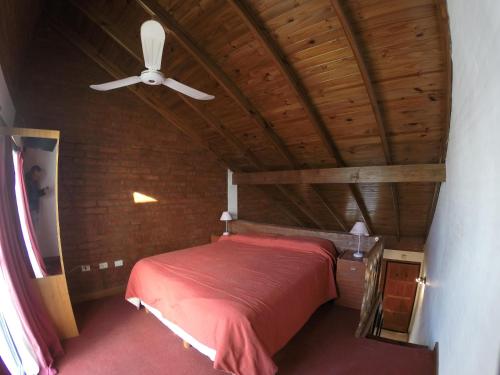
365	75
210	119
371	174
267	41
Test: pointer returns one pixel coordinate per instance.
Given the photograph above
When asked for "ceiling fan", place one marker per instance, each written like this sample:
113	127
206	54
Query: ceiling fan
153	38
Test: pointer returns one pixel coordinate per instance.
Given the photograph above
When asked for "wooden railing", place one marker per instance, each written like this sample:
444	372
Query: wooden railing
372	290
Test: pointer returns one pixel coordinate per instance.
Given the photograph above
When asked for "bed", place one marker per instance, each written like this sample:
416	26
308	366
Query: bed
240	299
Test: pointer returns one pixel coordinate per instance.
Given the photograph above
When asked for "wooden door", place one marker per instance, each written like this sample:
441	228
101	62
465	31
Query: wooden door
399	294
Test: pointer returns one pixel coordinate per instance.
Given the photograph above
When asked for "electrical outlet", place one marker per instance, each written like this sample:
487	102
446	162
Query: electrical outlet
86	268
103	265
119	263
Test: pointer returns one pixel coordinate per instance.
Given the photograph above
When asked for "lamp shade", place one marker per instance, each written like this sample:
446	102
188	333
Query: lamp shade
226	216
359	229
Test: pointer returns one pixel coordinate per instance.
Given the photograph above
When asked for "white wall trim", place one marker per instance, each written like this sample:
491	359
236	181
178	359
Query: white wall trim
232	195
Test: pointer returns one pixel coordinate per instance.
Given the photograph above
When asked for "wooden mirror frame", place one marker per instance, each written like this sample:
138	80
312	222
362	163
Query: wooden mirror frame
53	288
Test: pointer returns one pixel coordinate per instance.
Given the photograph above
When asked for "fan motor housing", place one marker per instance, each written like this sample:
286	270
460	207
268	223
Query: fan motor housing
152	77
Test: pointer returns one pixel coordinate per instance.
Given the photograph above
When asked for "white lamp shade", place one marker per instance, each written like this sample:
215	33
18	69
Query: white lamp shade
226	216
359	229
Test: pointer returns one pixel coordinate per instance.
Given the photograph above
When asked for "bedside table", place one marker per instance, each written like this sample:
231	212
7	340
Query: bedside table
350	280
214	238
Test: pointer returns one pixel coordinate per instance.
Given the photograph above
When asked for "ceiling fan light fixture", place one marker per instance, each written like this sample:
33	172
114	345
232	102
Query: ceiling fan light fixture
152	40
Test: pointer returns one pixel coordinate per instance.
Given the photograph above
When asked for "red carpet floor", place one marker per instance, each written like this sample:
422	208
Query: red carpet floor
115	338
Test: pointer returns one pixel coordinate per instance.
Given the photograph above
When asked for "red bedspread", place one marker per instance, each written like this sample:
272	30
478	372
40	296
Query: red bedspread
244	296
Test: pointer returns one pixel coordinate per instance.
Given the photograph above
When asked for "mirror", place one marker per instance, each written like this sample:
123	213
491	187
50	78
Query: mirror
35	159
39	167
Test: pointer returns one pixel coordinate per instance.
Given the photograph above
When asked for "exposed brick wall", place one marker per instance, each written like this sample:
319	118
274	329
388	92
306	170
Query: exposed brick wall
111	145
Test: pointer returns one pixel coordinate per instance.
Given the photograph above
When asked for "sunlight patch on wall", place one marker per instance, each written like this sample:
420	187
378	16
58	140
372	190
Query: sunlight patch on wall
142	198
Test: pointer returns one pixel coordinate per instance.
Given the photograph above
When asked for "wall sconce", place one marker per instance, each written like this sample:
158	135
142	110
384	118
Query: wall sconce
422	280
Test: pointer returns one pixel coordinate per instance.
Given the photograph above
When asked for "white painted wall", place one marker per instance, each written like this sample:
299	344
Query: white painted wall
47	231
461	303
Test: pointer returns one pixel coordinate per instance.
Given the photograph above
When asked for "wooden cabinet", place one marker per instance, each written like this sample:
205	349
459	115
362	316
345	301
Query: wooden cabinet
350	280
214	238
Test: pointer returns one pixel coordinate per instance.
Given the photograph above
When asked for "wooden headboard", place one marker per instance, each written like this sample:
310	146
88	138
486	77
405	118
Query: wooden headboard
371	245
343	241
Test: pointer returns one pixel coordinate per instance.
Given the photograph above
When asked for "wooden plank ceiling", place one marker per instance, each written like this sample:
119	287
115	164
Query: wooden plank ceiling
298	85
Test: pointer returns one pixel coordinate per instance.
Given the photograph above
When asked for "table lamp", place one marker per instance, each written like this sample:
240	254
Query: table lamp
226	216
359	229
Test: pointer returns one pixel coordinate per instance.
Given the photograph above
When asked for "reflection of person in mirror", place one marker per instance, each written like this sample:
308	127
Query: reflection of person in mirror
34	192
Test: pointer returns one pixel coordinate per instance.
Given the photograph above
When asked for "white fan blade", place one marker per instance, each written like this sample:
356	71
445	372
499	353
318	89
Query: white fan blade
116	84
186	90
152	38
